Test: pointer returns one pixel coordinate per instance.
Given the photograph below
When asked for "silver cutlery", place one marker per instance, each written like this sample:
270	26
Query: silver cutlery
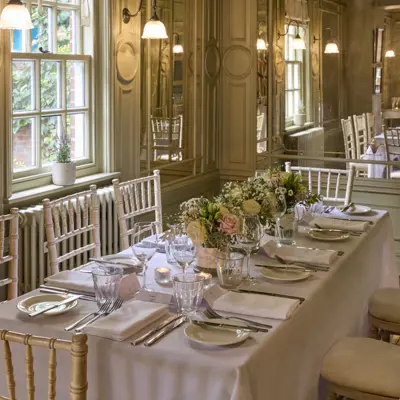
114	306
161	325
67	291
351	219
285	296
285	262
55	305
289	268
321	229
103	307
169	328
212	314
52	291
347	207
127	267
227	326
328	209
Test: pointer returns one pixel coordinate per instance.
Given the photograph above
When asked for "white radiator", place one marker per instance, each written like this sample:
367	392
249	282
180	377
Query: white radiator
33	265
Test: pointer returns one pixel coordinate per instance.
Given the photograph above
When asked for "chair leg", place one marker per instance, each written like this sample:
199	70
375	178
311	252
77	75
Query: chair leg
385	336
373	332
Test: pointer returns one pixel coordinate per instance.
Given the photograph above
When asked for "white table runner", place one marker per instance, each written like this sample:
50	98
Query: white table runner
281	365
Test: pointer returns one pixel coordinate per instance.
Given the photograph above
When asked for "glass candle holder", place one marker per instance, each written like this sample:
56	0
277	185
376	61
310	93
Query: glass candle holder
162	275
207	278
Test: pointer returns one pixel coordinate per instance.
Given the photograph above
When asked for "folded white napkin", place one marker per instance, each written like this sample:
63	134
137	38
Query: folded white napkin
128	320
256	305
329	223
72	280
300	254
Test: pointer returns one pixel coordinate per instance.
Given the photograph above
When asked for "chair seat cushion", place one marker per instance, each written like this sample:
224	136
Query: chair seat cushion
385	304
365	365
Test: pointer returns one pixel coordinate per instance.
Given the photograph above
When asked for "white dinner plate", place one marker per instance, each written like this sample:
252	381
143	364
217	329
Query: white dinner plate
126	261
328	235
216	336
283	275
357	209
41	301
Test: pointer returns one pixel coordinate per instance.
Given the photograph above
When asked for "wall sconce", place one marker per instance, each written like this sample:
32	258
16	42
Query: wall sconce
390	54
15	16
178	48
261	45
331	46
154	28
298	43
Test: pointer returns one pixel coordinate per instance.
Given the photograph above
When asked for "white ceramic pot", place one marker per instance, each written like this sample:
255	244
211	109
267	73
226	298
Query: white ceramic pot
64	174
299	119
205	258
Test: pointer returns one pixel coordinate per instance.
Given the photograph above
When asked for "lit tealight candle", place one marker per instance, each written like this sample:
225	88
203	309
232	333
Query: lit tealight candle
162	275
207	278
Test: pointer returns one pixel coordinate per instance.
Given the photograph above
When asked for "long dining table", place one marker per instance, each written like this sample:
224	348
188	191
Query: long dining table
283	364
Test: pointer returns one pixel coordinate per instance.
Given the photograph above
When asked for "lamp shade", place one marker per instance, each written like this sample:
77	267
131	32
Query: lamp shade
177	49
15	16
154	29
390	54
298	43
331	48
261	44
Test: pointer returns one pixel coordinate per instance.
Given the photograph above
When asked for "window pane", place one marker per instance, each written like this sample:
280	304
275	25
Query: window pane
23	86
50	74
66	41
50	130
24	153
76	129
75	84
290	105
17	40
296	73
296	101
289	76
67	1
41	33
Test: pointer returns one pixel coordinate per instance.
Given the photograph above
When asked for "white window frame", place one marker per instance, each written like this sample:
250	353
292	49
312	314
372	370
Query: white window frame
35	177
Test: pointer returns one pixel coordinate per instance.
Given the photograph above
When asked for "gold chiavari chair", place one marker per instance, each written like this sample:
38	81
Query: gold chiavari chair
77	348
12	257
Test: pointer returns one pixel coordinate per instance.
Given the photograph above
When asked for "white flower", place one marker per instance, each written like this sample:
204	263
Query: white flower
251	207
290	193
236	193
277	190
281	197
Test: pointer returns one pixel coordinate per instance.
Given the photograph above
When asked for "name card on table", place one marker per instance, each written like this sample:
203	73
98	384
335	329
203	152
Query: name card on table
154	297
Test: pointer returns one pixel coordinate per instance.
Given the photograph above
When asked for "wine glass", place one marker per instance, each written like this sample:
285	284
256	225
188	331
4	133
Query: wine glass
249	237
277	208
145	244
183	250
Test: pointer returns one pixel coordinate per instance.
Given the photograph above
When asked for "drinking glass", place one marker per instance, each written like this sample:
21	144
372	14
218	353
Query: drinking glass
229	269
107	283
145	244
249	237
183	250
174	230
188	292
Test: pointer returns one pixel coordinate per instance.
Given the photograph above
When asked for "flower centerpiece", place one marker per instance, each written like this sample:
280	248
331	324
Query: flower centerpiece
211	226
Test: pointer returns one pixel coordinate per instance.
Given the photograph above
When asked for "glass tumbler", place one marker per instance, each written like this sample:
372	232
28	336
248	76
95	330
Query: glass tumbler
229	269
188	292
107	283
286	229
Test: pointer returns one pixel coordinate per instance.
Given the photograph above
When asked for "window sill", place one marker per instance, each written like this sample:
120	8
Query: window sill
296	128
40	193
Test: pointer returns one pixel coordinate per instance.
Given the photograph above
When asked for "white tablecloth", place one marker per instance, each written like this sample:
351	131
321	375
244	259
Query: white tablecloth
376	170
283	364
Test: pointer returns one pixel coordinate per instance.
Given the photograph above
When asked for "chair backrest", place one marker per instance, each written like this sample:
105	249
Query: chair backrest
349	138
9	224
137	197
79	216
392	146
77	348
361	135
370	120
326	182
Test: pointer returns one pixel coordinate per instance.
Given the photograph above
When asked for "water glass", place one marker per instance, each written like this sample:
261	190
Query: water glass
229	269
183	251
107	283
286	229
188	292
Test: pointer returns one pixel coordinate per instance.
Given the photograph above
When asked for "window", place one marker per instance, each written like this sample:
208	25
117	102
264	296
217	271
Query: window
51	76
297	76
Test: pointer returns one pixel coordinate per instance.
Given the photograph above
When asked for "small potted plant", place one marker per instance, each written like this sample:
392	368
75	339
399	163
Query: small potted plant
299	119
64	170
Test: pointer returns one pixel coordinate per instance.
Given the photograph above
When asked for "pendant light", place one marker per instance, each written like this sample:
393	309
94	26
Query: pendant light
178	48
331	45
15	16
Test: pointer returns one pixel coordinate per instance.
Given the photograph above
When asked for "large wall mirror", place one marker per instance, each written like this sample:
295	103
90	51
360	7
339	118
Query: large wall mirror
170	139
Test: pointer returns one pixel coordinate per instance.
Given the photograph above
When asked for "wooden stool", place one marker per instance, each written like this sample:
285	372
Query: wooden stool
384	313
362	369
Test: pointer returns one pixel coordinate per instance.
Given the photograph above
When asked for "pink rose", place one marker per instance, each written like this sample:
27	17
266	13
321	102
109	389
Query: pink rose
229	224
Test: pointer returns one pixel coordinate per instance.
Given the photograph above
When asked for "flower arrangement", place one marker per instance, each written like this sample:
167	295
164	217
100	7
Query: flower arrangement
209	223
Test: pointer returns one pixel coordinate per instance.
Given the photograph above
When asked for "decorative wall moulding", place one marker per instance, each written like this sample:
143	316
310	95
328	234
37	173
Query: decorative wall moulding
279	64
315	63
237	62
212	61
127	60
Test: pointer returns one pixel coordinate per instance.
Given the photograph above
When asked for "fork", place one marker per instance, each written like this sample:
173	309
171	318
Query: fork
285	262
212	314
352	233
115	306
103	307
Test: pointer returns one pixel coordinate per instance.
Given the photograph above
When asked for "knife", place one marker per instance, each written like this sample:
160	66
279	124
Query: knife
52	291
285	296
155	338
228	326
351	219
161	325
67	291
61	303
300	268
347	207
